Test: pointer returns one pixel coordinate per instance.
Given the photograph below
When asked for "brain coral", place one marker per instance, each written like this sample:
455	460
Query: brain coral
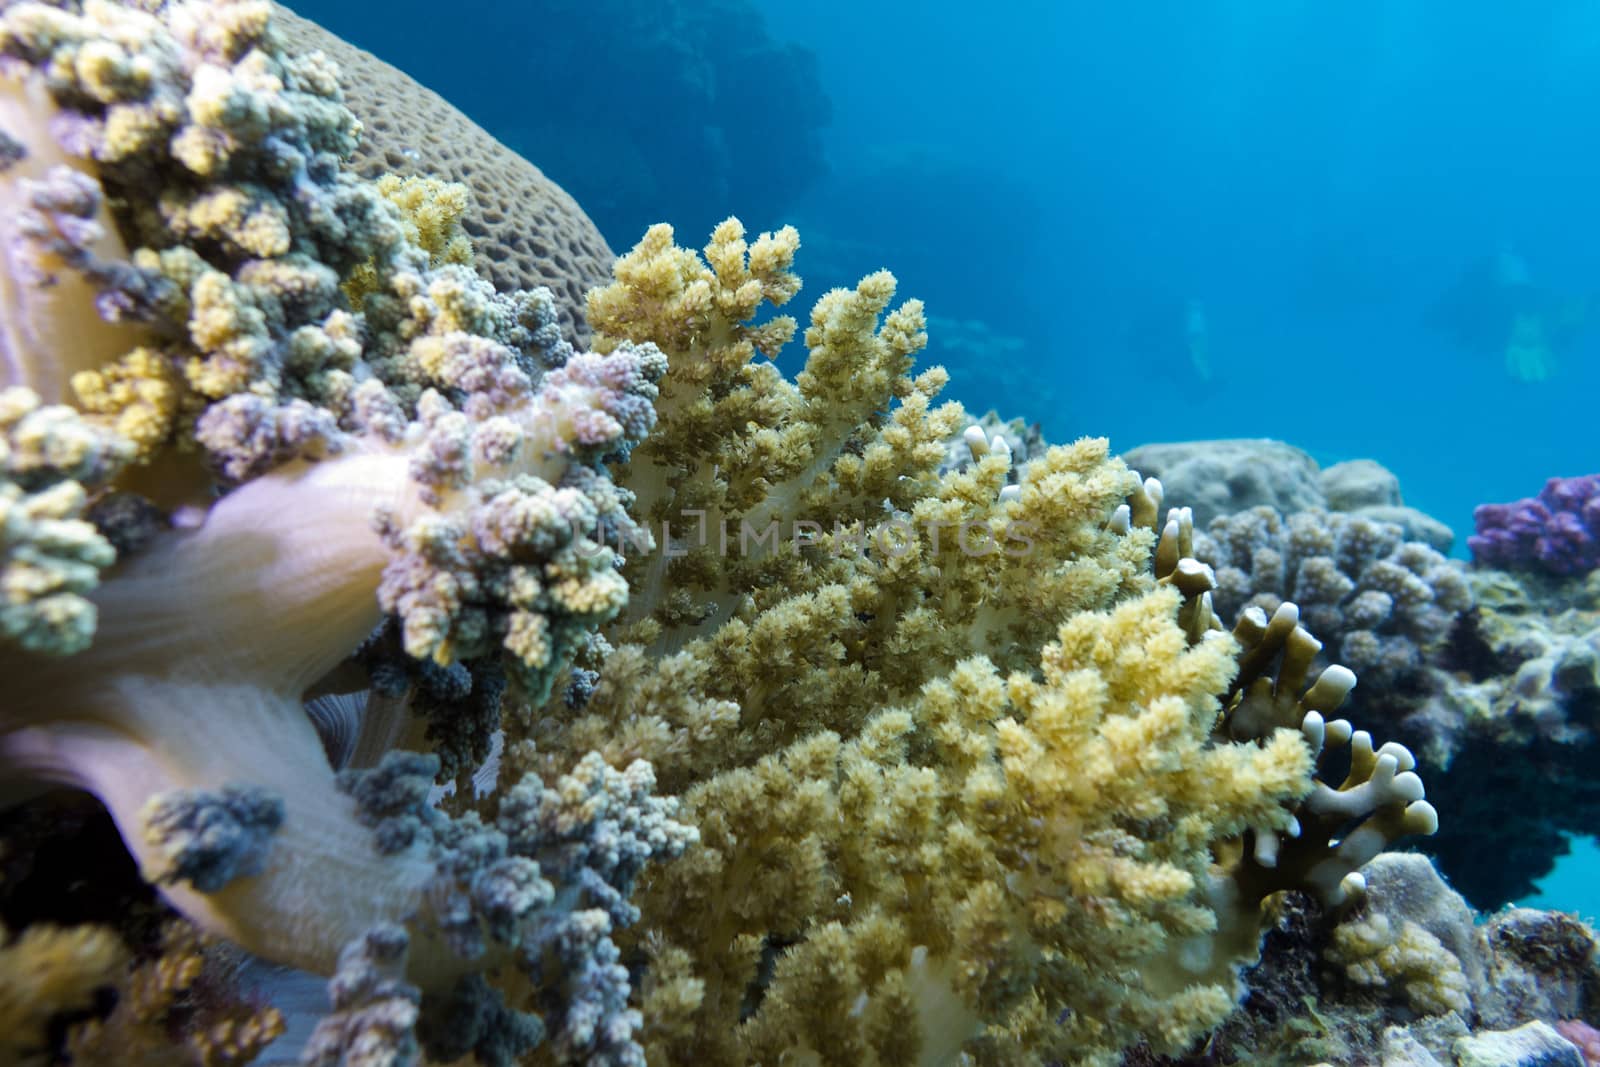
526	231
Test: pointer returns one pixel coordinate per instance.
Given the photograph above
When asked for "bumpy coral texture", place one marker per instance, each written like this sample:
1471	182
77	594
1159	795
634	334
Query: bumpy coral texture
1378	952
434	451
969	764
955	760
50	556
1516	729
1383	604
1557	532
526	230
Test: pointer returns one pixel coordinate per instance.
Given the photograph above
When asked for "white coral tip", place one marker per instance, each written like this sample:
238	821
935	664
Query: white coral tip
1408	787
1422	818
1403	758
1315	730
977	441
1352	886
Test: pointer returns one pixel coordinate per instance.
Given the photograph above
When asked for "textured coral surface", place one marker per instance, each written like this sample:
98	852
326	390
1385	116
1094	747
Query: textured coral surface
634	705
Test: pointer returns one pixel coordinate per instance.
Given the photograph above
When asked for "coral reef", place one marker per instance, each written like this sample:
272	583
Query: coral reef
435	453
1216	478
862	678
1557	532
1489	676
765	732
1408	975
1383	604
1512	738
526	231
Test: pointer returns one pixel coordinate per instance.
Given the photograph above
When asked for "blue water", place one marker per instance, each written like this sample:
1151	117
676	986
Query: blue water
1572	885
1062	180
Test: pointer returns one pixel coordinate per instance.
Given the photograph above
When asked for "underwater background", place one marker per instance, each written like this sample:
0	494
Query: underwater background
1343	195
1360	228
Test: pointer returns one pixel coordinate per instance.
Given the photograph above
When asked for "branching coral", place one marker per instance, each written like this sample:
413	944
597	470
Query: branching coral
974	767
966	777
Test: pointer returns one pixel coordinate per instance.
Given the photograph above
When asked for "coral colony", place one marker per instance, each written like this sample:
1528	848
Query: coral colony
639	704
1557	532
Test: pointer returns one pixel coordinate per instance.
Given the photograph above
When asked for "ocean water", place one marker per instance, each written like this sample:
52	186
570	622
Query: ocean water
1355	208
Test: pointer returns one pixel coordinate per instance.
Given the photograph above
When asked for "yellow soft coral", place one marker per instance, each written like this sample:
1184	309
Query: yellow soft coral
977	771
141	392
48	971
179	1009
1007	864
431	212
952	751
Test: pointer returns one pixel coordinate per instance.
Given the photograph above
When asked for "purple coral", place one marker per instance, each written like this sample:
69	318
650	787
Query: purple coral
1557	532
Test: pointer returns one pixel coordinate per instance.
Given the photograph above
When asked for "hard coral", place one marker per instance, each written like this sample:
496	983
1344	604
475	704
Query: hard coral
526	231
1557	532
1383	603
1511	739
